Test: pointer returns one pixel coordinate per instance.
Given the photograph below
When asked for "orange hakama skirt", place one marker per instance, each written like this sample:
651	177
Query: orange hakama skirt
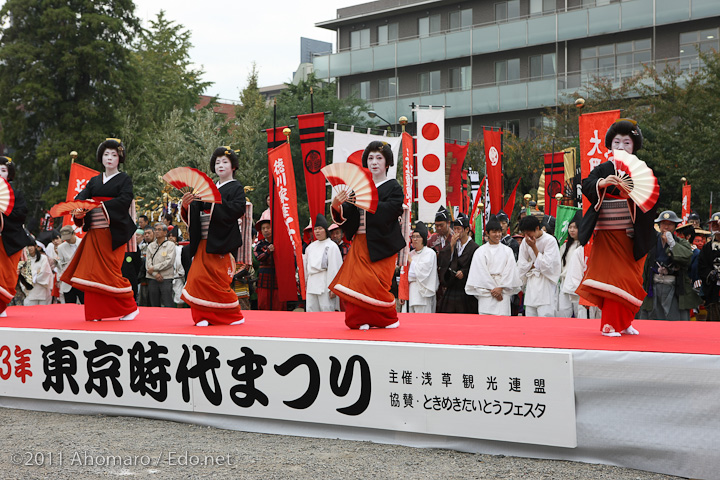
96	270
364	286
8	275
613	279
208	291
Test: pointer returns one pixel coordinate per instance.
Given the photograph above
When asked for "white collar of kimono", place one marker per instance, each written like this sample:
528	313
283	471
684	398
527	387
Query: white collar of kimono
221	184
378	184
106	179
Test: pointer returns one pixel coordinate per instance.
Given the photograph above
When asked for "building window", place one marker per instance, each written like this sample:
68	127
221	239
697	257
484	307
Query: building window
512	126
616	61
387	33
536	125
507	10
693	42
387	87
541	6
461	78
360	90
542	66
429	82
360	39
428	25
507	70
462	133
461	19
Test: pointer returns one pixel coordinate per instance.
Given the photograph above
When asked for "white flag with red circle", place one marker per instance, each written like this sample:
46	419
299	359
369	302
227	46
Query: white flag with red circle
349	147
430	162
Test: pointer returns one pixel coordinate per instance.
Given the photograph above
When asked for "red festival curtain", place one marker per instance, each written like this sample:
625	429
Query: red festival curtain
593	127
312	145
554	180
493	167
286	227
455	157
80	175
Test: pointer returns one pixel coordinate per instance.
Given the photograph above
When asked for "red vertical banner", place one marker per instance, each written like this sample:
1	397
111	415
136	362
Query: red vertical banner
465	206
275	137
312	145
686	205
593	127
286	226
454	158
474	211
554	180
80	175
510	204
408	151
493	168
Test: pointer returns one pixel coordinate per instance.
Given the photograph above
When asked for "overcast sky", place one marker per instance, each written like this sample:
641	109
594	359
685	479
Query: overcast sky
229	35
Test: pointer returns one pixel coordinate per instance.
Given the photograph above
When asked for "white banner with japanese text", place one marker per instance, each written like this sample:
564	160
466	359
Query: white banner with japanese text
513	395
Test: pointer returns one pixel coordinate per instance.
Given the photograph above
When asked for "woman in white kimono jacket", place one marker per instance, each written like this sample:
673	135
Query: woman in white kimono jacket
422	273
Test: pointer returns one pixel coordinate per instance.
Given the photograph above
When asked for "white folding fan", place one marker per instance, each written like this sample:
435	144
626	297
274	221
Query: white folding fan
7	197
192	180
638	179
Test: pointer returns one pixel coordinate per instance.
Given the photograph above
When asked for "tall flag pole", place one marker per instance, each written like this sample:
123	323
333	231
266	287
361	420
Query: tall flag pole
312	146
430	162
686	203
493	165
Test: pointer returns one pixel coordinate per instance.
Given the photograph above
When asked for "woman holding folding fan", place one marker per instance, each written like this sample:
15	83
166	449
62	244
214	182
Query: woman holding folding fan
214	234
365	278
96	265
12	237
623	234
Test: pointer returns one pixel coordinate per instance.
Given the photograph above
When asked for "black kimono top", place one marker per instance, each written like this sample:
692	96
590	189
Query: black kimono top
384	237
12	232
119	190
223	232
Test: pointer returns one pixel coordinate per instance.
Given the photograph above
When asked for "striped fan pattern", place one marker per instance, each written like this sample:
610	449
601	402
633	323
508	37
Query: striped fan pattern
356	181
192	180
638	179
7	197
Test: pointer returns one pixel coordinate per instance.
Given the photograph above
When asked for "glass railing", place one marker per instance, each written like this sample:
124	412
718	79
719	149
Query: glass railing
517	33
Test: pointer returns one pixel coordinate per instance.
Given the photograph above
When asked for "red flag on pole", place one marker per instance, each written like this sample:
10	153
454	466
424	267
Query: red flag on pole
510	204
554	180
493	168
686	207
455	157
312	145
474	211
593	127
465	206
80	175
407	155
275	137
286	227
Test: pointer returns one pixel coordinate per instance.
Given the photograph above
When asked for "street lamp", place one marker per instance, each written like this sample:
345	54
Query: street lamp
373	114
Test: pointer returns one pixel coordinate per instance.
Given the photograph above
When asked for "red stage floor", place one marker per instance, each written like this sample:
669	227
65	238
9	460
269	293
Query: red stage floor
655	336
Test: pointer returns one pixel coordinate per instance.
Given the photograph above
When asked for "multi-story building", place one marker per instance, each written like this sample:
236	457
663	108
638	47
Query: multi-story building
502	62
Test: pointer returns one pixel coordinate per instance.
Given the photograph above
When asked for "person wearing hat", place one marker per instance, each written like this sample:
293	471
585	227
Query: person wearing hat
539	268
12	238
493	276
687	231
96	267
366	276
694	220
336	235
709	269
214	238
622	233
507	240
665	277
322	262
568	302
422	272
454	267
443	230
66	252
267	287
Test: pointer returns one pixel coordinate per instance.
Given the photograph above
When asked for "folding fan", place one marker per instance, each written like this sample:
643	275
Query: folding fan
638	180
7	197
67	208
356	181
192	180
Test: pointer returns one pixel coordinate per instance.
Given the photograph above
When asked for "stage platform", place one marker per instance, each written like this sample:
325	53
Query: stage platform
535	387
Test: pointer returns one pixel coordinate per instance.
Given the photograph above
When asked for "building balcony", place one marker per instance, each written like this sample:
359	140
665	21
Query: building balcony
519	33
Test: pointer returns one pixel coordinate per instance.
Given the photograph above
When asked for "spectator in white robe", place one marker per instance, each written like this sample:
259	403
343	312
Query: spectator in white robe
493	276
577	263
568	302
322	262
42	278
539	268
422	272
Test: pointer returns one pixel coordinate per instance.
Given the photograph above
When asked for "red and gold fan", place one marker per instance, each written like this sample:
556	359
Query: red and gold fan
356	181
7	197
638	179
192	180
68	208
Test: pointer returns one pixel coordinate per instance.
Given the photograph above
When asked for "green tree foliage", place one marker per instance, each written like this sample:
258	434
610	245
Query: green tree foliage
65	73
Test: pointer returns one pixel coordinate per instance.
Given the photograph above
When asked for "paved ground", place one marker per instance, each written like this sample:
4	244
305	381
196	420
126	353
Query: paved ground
59	446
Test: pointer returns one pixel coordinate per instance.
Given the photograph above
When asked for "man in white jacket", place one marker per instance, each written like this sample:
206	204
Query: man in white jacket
539	266
322	262
493	276
422	272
